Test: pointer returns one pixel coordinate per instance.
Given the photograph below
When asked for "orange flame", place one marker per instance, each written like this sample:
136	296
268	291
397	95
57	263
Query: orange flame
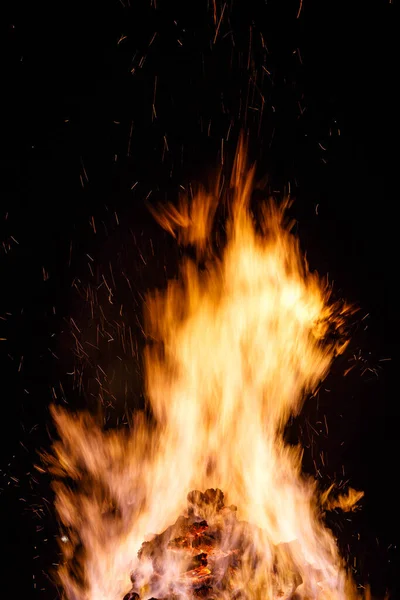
236	346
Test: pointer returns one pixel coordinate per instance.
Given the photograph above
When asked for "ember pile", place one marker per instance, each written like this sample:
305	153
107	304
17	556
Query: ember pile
204	555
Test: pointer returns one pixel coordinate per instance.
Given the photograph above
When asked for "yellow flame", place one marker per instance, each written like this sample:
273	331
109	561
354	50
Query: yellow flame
345	502
236	345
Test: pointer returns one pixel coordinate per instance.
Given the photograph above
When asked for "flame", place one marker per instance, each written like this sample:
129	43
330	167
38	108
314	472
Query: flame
345	502
237	342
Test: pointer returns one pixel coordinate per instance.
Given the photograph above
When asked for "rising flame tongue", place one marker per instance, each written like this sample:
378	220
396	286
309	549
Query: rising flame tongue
235	347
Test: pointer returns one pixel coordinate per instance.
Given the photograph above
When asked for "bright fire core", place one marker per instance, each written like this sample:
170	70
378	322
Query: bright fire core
235	345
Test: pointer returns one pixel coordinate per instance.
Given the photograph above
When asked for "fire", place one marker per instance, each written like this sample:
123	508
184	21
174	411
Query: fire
235	345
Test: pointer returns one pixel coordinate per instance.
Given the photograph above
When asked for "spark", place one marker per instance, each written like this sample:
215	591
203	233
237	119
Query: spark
219	23
153	38
300	7
130	139
154	114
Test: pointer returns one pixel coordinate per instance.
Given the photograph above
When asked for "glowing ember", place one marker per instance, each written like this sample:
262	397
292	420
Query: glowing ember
236	344
210	551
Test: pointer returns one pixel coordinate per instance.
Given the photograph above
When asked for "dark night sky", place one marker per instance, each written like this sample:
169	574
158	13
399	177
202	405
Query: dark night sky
318	96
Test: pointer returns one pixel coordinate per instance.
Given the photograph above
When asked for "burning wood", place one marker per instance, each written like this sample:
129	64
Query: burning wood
203	555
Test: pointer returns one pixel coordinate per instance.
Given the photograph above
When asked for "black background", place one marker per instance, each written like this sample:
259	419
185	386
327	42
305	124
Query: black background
78	130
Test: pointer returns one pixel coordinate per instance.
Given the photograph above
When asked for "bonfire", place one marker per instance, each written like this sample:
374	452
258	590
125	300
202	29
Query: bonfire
236	344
